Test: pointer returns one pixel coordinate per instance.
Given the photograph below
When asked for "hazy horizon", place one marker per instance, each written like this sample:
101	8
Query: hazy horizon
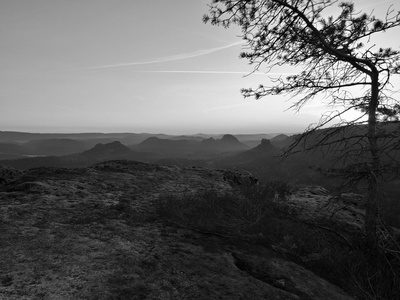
149	132
136	66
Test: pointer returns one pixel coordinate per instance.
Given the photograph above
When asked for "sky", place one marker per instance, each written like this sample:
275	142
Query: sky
134	66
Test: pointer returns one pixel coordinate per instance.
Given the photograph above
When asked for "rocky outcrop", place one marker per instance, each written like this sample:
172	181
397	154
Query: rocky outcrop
8	174
288	276
316	205
93	233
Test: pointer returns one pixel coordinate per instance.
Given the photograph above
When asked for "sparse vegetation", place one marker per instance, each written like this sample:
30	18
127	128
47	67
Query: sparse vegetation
233	214
258	215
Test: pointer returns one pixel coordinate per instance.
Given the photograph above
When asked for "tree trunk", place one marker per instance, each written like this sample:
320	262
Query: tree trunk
371	213
373	192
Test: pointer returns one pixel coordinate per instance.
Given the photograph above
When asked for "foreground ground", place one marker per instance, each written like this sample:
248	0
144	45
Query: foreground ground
97	233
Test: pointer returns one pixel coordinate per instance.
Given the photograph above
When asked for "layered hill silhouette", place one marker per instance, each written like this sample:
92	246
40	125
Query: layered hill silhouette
108	150
12	150
228	143
100	152
166	146
153	149
225	151
190	148
263	161
263	150
22	144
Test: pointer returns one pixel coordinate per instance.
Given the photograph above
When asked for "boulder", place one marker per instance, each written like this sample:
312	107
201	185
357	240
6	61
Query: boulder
314	204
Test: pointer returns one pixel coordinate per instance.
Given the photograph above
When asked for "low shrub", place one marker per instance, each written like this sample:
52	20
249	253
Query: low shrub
233	213
212	212
259	214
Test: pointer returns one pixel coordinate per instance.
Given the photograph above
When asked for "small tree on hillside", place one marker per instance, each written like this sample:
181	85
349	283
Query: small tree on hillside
336	62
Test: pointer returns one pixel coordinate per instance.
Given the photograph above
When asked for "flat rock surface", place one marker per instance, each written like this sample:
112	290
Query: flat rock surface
93	233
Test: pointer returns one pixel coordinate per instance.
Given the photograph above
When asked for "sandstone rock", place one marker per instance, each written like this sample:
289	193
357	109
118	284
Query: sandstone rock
315	204
290	277
93	233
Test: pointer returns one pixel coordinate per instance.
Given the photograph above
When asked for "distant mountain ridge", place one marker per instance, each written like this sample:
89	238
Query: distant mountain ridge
114	148
265	147
126	138
68	152
263	153
100	152
228	143
150	150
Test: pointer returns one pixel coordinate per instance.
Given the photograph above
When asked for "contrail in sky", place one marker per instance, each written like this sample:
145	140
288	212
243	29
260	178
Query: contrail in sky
215	72
201	72
167	58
